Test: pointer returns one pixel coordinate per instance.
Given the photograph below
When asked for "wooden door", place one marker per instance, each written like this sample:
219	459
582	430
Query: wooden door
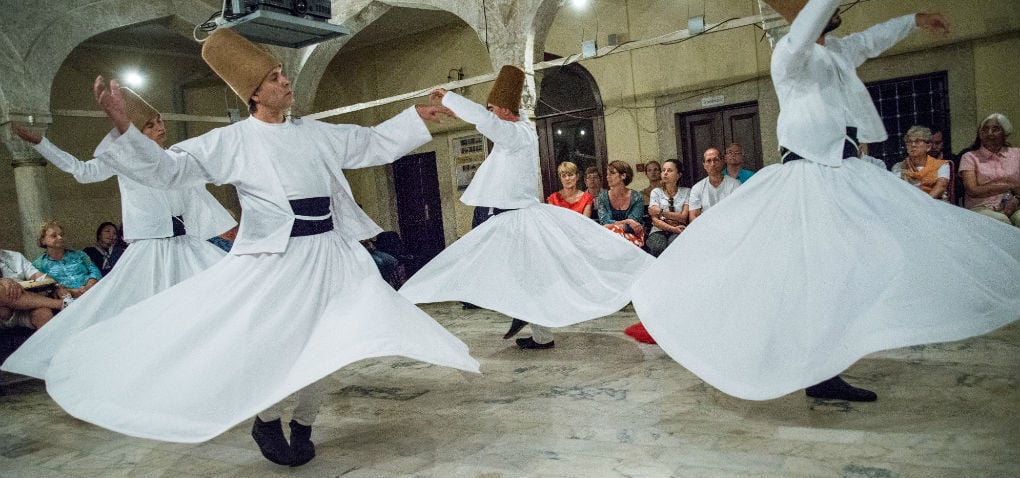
716	128
419	208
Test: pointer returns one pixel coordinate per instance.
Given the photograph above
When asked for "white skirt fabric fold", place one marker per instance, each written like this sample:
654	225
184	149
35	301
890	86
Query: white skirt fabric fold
214	350
543	264
148	266
807	268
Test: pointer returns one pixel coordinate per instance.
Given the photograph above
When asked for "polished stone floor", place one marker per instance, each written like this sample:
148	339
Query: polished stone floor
598	405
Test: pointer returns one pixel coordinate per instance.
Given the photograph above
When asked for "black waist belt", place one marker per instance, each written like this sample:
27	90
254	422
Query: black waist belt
849	148
178	222
311	207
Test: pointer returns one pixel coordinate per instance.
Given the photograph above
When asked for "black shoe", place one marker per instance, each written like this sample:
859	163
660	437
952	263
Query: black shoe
269	437
301	444
529	343
837	389
515	327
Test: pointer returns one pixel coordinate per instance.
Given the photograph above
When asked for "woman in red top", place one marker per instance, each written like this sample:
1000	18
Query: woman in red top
570	197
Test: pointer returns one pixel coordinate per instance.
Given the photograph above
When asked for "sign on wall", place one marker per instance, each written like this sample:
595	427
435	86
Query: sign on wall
468	153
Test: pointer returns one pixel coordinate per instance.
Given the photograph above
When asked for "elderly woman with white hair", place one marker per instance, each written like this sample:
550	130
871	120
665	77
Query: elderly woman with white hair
929	174
991	174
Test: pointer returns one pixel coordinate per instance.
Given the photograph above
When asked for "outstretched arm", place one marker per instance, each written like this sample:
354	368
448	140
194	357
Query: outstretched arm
83	171
487	123
872	42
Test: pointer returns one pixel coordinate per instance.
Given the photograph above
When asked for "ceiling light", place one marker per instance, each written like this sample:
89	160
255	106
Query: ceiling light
579	4
134	79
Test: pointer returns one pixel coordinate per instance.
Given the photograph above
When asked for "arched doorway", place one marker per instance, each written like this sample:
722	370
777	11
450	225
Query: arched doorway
570	122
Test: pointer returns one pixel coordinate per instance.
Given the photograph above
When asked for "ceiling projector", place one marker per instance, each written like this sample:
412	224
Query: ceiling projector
289	23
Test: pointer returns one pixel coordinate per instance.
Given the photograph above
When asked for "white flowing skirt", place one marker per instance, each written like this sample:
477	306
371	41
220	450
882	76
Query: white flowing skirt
807	268
148	266
542	264
214	350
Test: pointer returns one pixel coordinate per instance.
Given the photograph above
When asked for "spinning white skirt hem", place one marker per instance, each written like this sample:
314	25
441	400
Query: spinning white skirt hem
807	268
147	267
543	264
191	362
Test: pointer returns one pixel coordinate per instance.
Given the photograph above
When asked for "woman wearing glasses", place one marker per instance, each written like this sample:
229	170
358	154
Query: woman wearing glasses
919	169
667	206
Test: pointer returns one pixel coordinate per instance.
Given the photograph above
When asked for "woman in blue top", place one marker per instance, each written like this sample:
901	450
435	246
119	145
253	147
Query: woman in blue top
73	270
620	208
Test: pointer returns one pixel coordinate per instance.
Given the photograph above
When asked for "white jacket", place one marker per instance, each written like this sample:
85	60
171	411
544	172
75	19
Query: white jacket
246	155
819	92
146	212
508	178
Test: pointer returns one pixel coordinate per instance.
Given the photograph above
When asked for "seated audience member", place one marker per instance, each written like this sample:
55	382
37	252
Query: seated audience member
225	241
714	188
570	197
593	186
108	248
668	208
936	148
620	208
929	174
653	171
19	307
991	174
388	265
73	270
733	163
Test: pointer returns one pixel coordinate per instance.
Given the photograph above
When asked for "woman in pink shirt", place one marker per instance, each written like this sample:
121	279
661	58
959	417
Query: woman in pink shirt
991	174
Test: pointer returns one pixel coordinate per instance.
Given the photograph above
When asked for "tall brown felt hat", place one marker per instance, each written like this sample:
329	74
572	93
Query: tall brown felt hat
139	111
239	62
787	8
506	92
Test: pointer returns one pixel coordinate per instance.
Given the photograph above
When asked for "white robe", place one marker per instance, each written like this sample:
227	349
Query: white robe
273	316
540	263
810	265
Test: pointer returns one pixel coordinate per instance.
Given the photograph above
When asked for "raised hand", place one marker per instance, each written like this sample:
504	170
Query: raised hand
435	113
25	134
437	95
936	23
112	102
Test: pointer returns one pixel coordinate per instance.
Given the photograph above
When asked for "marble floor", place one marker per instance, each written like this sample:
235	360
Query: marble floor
597	405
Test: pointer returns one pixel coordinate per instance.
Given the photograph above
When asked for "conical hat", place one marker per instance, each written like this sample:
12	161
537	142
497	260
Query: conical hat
787	8
239	62
139	111
506	92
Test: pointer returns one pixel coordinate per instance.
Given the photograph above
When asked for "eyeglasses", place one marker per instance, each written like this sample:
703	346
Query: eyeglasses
671	207
916	142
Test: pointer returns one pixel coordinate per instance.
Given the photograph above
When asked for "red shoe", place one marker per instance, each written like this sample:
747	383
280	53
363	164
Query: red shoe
639	333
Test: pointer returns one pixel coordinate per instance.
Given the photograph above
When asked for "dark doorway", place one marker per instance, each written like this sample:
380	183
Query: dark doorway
716	128
570	123
419	208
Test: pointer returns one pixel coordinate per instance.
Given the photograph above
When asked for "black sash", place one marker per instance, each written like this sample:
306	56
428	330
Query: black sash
849	147
178	222
318	206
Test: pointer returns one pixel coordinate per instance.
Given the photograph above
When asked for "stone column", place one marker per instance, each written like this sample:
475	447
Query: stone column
31	187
